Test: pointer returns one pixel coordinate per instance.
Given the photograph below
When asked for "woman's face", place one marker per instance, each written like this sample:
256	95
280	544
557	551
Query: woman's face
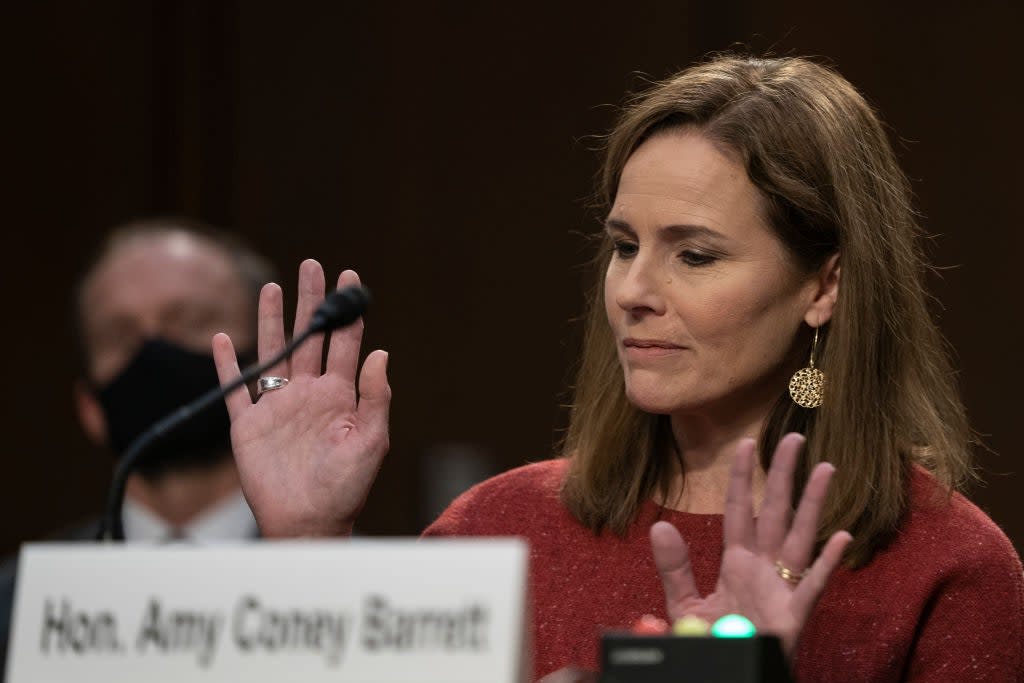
704	301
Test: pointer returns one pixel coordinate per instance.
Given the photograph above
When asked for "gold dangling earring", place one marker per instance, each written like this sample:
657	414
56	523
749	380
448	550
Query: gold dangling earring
807	385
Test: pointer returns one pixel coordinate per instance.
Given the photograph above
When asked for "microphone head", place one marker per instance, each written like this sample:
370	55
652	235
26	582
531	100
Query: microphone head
340	308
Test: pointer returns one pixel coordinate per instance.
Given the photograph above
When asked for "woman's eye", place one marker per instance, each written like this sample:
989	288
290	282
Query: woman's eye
624	249
696	258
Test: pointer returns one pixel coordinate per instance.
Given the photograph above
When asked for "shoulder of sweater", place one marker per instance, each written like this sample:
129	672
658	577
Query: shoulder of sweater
510	498
952	529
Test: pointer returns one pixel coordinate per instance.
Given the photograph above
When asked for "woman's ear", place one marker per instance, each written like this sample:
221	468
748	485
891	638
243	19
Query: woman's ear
90	414
826	293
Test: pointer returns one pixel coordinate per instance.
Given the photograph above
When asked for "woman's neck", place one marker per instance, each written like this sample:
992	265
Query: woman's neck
707	447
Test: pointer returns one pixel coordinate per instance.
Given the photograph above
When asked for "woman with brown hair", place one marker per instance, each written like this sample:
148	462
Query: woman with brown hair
761	278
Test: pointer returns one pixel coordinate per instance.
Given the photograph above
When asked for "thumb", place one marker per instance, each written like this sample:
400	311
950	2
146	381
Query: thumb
374	399
672	558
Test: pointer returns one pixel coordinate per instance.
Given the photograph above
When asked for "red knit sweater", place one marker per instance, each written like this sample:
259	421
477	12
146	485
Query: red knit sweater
943	602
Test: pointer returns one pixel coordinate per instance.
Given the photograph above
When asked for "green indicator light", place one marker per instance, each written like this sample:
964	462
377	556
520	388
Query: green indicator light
733	626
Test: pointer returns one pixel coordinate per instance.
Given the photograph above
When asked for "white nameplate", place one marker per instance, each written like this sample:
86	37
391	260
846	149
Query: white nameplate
444	611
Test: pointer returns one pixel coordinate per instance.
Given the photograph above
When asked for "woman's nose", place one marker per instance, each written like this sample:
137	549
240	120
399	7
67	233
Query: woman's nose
639	291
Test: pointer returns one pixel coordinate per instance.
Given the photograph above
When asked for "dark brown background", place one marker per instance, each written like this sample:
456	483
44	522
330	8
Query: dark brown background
441	151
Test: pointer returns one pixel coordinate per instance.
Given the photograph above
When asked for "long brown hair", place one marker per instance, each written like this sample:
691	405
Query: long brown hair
831	183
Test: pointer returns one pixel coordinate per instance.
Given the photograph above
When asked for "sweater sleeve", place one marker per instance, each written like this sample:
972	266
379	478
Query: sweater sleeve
973	629
509	504
456	519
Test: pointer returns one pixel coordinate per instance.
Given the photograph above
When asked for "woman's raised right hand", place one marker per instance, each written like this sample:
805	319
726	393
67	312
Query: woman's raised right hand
307	453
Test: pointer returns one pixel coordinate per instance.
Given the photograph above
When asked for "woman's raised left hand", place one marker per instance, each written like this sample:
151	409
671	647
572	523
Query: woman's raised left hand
750	581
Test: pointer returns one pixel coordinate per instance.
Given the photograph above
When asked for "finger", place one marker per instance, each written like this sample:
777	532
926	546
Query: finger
270	328
813	583
739	509
306	360
227	371
570	674
672	558
799	543
343	354
374	400
773	519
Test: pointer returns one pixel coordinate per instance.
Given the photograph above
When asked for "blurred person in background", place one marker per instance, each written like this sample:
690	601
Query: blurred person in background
144	310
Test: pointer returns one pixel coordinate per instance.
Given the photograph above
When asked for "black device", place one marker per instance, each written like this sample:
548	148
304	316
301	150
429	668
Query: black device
629	658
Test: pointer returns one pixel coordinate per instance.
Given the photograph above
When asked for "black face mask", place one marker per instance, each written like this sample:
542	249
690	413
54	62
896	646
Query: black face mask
161	378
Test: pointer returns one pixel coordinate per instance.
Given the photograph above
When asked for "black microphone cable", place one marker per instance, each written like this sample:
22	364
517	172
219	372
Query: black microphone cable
340	308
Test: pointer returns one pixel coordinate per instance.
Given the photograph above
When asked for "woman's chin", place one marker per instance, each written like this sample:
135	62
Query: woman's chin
655	402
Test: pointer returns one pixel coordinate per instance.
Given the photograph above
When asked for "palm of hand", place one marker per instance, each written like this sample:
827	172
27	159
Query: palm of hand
309	451
300	456
749	581
748	584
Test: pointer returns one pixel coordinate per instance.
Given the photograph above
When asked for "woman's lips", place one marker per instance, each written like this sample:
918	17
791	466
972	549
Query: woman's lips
649	348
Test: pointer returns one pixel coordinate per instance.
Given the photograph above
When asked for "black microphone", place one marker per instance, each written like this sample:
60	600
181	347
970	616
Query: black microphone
340	308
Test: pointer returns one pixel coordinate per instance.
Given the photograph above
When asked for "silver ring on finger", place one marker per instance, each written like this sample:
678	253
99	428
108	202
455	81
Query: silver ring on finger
788	574
266	384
